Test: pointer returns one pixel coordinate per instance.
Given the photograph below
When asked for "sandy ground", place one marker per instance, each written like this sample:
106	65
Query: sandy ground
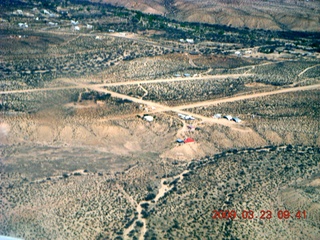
4	131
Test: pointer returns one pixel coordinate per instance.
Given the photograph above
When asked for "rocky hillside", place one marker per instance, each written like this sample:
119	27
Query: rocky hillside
274	15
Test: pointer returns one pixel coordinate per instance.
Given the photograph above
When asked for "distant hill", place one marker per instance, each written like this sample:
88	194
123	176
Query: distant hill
260	14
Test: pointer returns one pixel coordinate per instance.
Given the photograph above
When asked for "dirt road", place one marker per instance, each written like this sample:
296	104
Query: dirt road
77	85
243	97
177	109
177	79
307	69
38	90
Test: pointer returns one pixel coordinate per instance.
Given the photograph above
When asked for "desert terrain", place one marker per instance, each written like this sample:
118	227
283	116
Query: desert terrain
117	124
274	15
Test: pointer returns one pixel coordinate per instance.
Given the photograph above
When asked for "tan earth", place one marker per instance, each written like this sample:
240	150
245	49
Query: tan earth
259	14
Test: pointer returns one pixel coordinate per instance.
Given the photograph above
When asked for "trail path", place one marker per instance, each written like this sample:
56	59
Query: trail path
145	91
191	61
179	109
38	89
77	85
164	188
177	79
163	108
308	68
257	65
243	97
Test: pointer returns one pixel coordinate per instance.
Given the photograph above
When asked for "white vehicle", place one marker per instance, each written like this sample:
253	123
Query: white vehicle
189	118
181	116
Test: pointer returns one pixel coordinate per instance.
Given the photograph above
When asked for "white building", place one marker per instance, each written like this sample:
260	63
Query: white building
74	23
148	118
236	119
89	26
217	116
229	117
19	12
46	11
181	116
77	28
189	118
52	24
188	40
23	25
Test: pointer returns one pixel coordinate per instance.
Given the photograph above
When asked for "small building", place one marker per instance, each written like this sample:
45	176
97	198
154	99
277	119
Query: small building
228	117
238	53
52	24
186	74
18	12
74	23
181	40
194	53
189	117
148	118
23	25
236	119
217	116
181	116
89	26
46	11
188	40
77	28
177	75
179	140
188	140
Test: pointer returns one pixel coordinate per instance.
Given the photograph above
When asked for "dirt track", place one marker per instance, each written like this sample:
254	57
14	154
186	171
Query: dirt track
127	83
38	90
243	97
307	69
177	79
161	108
178	109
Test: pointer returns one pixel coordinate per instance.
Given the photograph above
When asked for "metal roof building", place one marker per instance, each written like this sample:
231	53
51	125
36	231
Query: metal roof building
236	119
229	117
